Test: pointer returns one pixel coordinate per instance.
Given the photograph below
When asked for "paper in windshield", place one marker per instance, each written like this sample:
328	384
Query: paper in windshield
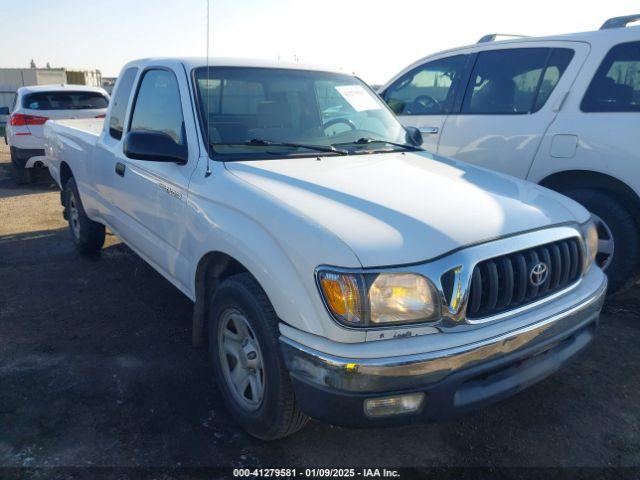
358	97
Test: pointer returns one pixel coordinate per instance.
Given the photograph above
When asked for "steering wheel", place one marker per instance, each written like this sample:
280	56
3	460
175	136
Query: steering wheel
336	121
425	104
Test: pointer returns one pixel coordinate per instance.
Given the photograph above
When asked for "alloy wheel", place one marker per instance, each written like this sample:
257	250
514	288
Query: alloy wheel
241	359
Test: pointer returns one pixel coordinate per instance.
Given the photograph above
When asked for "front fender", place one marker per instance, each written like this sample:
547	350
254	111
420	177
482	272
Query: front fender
276	244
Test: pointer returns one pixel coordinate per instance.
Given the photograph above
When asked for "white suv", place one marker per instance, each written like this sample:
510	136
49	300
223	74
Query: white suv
33	106
561	111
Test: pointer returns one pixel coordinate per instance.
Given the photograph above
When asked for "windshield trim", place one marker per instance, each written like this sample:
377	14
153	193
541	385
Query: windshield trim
234	157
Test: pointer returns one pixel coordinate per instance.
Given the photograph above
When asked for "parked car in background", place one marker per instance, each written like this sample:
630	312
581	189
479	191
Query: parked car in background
33	106
561	111
340	271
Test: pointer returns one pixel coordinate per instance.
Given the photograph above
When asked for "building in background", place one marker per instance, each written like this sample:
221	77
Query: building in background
108	83
92	78
13	78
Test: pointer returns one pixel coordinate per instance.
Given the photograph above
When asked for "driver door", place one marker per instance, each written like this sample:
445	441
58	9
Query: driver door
424	95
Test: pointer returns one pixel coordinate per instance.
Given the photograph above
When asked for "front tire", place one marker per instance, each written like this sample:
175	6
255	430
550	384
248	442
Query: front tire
248	366
87	235
619	245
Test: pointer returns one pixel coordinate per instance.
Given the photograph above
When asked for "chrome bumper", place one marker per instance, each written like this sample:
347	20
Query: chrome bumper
374	375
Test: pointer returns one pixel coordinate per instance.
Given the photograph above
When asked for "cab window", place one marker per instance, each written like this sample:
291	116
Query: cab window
428	89
616	85
158	107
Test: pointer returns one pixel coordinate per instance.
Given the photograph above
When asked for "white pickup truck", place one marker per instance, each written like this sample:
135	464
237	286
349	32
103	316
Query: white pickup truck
338	271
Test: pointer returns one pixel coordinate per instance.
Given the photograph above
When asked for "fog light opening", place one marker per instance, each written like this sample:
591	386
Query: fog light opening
394	405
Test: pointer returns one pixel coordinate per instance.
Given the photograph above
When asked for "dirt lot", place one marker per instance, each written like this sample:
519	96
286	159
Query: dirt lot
97	369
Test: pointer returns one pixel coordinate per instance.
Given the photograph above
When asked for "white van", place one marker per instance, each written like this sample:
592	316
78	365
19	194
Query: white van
561	111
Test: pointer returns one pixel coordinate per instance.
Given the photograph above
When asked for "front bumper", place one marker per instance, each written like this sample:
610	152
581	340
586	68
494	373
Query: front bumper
454	381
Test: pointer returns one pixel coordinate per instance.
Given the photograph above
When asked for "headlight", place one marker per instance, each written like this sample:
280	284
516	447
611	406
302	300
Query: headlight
378	299
590	237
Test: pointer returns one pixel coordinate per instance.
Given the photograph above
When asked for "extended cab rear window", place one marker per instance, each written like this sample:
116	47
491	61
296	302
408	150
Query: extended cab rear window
67	100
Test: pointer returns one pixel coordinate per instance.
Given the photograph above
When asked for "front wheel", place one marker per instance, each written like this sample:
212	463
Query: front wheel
618	244
248	366
87	235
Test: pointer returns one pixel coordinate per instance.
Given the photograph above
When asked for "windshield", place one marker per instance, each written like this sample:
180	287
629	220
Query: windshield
64	101
264	112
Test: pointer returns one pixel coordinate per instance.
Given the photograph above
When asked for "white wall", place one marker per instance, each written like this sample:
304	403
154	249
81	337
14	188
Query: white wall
13	78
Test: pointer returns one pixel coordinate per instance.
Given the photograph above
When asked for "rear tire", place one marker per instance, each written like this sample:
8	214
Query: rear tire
618	232
87	235
248	366
24	176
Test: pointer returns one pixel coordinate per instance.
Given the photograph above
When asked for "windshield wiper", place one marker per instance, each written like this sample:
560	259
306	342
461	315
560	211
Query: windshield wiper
368	140
259	142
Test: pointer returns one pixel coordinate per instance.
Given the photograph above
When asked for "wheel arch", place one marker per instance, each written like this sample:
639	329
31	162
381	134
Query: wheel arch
571	179
212	269
65	174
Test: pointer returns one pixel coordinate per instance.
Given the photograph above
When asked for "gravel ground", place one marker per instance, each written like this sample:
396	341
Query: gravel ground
97	369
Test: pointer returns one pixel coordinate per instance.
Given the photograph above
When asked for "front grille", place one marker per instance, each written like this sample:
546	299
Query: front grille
503	283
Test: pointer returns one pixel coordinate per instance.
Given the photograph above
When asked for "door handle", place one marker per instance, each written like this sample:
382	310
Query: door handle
120	168
428	130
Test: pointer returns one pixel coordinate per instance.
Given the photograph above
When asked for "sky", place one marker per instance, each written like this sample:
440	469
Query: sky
373	39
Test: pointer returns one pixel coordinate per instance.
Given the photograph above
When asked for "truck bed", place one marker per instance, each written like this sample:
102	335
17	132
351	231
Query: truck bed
89	126
72	142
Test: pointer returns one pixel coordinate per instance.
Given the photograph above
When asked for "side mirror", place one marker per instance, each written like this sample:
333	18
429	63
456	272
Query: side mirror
154	147
5	111
414	137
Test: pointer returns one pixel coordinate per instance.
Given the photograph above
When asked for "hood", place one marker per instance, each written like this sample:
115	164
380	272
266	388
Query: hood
397	208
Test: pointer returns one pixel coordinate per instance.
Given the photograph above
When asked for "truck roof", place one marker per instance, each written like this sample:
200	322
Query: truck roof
195	62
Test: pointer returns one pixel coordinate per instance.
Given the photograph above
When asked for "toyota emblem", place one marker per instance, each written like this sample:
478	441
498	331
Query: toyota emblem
538	274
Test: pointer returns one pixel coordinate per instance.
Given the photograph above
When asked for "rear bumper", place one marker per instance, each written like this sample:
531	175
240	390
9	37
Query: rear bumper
22	155
454	381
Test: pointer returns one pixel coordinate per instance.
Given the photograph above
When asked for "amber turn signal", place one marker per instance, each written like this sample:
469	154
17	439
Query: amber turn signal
342	295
